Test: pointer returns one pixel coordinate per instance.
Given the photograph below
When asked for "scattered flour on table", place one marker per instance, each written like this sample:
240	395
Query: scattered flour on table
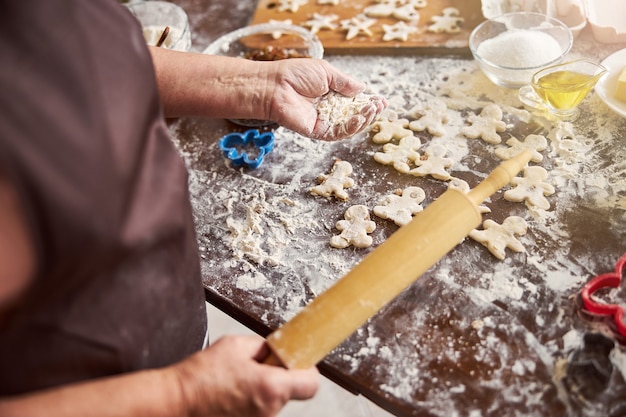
263	223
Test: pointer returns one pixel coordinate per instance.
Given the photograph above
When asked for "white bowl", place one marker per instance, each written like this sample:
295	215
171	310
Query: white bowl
510	48
608	20
570	12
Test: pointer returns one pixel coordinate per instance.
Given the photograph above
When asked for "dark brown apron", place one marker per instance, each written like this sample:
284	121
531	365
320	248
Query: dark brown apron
84	143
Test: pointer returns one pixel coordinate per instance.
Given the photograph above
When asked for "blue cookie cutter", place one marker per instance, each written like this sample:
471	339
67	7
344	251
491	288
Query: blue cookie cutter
232	147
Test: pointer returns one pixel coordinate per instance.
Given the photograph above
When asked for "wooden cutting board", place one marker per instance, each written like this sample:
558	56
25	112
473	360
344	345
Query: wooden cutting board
423	41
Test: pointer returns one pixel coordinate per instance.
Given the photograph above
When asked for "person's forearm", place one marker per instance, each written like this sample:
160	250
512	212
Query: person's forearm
193	84
285	91
148	393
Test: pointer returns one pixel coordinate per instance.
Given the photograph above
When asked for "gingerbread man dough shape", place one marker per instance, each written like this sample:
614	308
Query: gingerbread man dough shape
449	22
400	32
531	188
402	155
391	8
335	183
486	125
434	163
381	9
534	143
390	129
418	4
431	117
354	229
406	13
497	238
401	207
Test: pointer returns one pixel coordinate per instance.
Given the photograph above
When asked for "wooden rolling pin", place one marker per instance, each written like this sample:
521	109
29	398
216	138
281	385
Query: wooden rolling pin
398	262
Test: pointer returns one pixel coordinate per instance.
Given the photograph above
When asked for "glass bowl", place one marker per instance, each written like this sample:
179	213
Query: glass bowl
510	48
265	42
155	15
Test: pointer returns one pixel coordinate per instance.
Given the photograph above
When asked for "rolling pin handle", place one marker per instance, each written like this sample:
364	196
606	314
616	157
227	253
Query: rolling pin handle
499	177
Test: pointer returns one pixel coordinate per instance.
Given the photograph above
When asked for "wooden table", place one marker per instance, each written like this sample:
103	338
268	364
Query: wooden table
475	335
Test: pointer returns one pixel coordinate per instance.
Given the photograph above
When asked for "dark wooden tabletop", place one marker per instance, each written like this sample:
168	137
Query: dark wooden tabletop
475	335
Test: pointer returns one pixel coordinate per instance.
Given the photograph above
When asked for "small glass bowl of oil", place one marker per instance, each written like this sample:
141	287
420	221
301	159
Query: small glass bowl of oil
560	88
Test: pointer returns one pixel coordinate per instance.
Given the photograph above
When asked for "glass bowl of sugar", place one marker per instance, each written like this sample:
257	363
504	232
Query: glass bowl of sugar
510	48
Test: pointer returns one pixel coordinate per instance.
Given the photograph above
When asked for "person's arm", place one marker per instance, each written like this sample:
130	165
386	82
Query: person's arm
17	254
224	380
193	84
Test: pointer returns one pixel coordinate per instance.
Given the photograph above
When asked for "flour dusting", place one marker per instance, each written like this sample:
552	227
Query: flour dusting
471	327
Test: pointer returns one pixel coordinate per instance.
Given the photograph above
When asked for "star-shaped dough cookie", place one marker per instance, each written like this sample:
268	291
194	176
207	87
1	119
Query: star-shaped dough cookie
319	22
357	26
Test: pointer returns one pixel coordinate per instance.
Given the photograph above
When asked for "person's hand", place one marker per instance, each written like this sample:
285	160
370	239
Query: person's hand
289	92
295	87
226	379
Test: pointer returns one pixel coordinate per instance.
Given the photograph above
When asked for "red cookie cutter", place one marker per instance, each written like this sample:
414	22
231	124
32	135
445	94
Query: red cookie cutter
608	280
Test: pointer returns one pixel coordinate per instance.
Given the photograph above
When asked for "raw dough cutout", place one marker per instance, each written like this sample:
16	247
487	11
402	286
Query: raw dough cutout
354	229
531	188
319	22
417	4
400	31
406	13
463	186
433	163
335	182
382	9
357	26
402	156
278	33
401	10
390	128
290	5
431	117
486	125
331	2
449	22
534	143
497	238
401	206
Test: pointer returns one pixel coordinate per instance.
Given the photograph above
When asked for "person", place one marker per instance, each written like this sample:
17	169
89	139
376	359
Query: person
101	304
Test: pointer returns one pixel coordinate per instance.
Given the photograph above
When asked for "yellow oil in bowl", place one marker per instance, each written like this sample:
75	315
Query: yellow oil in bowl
562	87
564	90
